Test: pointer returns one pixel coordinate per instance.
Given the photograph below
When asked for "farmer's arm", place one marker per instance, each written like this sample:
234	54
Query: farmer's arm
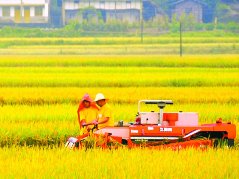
86	122
79	121
90	123
82	119
78	114
106	119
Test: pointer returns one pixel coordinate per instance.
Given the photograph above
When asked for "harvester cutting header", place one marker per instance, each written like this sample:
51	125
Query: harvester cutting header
161	129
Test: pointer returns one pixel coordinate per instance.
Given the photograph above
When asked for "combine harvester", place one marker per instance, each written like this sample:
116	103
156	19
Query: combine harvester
174	130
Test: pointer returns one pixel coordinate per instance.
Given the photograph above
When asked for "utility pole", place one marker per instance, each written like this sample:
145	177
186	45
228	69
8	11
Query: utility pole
21	11
141	21
63	13
181	40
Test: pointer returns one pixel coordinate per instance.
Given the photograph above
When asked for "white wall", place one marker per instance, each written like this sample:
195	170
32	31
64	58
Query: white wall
46	10
12	11
0	11
106	5
35	2
32	11
22	12
109	5
26	2
9	2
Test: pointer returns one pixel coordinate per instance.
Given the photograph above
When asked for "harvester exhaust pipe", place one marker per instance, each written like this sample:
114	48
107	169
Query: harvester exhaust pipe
161	106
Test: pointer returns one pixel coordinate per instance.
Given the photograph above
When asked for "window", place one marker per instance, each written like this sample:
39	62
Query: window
17	8
38	11
102	4
6	11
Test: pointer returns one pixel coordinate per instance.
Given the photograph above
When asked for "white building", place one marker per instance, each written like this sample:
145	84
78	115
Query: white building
124	10
24	11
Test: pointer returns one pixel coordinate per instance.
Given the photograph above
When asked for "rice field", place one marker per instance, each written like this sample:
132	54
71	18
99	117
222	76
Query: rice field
117	40
123	163
119	45
207	61
39	96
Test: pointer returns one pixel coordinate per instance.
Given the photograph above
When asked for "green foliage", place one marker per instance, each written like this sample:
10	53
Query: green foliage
117	28
222	11
72	26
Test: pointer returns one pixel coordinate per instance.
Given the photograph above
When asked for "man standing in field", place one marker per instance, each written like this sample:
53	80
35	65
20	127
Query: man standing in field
87	112
105	116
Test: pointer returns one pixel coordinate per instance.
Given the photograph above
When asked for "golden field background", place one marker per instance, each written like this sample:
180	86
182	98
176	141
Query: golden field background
40	95
41	86
137	163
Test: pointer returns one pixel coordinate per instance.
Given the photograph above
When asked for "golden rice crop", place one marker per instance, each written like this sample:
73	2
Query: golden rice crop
129	47
207	61
123	95
66	113
117	40
52	124
39	97
123	61
118	45
122	163
123	77
163	49
172	48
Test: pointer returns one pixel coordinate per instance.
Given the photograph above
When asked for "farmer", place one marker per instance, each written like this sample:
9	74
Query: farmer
105	116
87	112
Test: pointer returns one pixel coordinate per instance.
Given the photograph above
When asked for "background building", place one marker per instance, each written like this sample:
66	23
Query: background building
123	10
187	7
120	10
24	11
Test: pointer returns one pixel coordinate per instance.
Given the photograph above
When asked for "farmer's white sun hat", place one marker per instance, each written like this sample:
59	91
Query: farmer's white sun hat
100	96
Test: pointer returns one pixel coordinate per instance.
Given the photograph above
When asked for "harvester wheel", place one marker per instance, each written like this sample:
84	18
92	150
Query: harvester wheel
224	142
230	142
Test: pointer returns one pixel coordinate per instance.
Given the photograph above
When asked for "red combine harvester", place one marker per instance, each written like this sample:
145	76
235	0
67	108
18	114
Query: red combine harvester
174	130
